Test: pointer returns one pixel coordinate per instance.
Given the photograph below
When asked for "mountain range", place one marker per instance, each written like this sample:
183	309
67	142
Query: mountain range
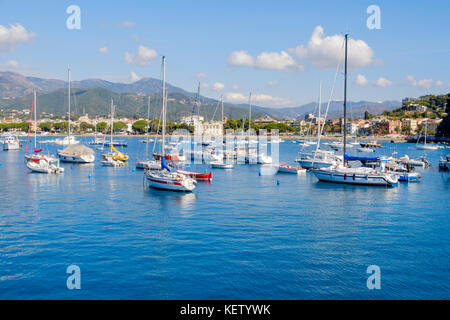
93	96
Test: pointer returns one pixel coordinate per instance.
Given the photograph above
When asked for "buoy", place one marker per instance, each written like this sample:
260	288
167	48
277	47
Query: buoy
133	170
259	173
71	166
278	182
90	176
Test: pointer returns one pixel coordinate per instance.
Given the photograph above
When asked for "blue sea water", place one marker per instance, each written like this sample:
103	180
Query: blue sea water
243	236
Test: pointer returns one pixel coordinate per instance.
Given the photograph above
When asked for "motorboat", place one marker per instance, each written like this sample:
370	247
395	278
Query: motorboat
11	143
284	168
69	140
148	164
221	165
318	159
199	176
264	159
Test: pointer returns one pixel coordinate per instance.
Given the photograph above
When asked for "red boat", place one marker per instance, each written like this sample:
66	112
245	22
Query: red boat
199	176
288	169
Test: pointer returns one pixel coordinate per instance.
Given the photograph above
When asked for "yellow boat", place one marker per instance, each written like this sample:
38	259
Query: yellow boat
118	156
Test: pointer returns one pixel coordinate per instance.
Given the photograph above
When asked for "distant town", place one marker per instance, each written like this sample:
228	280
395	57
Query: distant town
411	119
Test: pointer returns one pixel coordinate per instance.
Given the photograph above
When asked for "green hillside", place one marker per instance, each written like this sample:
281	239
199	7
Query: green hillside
97	101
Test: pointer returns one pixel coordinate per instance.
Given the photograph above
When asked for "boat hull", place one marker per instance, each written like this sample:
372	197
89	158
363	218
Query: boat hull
168	184
199	176
289	169
355	179
76	159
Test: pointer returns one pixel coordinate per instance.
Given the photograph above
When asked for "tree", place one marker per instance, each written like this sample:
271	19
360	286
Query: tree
101	126
84	126
367	115
119	125
46	126
61	126
140	126
444	127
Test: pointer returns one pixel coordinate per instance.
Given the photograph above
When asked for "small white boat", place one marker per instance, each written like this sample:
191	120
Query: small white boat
356	176
365	150
427	147
221	165
44	166
11	143
110	162
264	159
150	140
66	141
444	163
148	164
289	169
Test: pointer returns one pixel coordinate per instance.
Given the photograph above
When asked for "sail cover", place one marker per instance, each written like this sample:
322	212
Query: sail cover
76	150
163	164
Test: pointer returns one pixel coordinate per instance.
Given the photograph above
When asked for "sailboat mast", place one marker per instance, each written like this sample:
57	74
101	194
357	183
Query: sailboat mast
112	121
147	127
249	114
426	129
164	107
35	118
320	104
68	95
223	125
345	98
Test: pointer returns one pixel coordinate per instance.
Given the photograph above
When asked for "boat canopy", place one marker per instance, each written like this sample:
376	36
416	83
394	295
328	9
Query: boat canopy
76	150
352	158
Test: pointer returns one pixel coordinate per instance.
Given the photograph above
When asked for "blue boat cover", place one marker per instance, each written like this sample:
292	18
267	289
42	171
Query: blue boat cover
163	164
352	158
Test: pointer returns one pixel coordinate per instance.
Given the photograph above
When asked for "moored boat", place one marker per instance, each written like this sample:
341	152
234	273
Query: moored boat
289	169
221	165
11	143
199	176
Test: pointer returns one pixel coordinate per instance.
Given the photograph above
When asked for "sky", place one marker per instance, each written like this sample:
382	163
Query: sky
279	50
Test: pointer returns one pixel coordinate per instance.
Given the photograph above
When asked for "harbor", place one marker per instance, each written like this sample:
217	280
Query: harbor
240	231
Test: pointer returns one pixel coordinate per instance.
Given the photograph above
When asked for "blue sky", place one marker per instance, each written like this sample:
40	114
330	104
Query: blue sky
408	56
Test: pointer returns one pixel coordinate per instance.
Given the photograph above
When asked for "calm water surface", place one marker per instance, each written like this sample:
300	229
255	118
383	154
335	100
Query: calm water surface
241	237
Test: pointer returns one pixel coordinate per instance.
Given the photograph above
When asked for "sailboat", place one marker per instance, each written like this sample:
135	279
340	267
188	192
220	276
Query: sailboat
165	178
38	162
319	158
342	173
147	163
114	158
425	146
69	139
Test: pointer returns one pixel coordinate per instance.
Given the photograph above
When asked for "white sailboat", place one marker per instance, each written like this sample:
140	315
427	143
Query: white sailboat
342	173
38	162
165	178
425	146
114	158
69	139
148	163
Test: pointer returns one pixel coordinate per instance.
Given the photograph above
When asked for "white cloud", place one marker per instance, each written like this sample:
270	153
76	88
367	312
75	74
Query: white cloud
325	52
12	64
204	85
361	80
128	24
144	57
201	76
262	99
439	83
424	83
218	86
134	77
240	58
282	61
277	61
235	87
382	82
272	83
103	50
12	37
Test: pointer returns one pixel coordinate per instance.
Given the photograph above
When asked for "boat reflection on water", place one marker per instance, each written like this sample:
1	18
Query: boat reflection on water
170	199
